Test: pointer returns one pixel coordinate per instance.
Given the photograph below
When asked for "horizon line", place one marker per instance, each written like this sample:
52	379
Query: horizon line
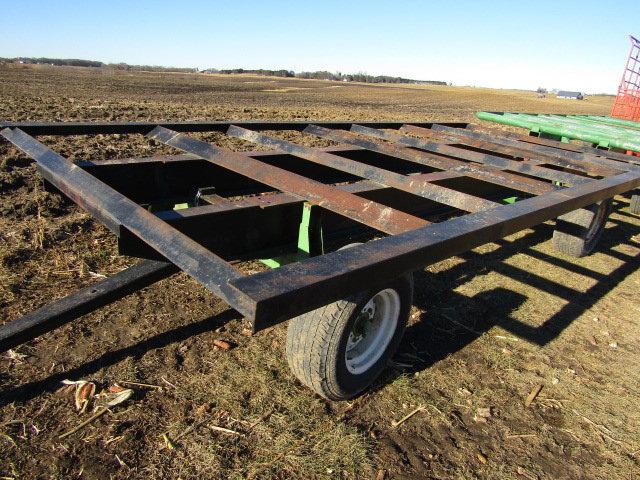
228	71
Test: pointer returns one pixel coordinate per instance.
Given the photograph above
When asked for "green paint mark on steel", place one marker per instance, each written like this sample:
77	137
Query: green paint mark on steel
310	239
588	130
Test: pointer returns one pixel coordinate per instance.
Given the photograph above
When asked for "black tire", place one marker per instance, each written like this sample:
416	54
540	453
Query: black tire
634	206
578	232
317	343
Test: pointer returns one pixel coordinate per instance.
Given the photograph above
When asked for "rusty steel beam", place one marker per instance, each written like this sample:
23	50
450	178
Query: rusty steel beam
92	128
562	154
275	199
175	217
412	184
598	152
187	157
557	145
300	287
534	158
518	152
118	212
523	151
373	214
492	160
271	215
479	172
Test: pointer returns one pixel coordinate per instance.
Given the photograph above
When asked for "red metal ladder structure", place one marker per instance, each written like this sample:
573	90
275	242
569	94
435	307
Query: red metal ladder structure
627	103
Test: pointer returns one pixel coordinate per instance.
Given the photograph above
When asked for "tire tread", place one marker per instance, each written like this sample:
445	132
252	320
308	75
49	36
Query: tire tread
572	241
634	206
314	339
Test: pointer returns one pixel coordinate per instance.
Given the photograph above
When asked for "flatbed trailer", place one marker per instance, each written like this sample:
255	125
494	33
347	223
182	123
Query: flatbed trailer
343	226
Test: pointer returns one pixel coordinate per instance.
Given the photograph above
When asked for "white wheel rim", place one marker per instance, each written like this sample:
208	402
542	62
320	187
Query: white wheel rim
372	331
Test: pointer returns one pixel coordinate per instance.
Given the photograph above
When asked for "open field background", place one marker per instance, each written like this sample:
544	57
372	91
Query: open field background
486	326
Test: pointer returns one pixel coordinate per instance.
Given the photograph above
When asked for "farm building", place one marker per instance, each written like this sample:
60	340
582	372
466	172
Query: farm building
570	95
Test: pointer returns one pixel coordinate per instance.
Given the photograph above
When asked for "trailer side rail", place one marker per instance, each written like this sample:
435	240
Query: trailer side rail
381	177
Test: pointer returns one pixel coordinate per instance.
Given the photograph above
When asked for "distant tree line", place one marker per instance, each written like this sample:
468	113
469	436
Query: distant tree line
324	75
318	75
76	62
148	68
260	71
71	62
363	77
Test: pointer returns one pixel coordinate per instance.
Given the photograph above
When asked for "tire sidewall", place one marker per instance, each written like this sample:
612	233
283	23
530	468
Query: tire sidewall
351	384
578	232
598	228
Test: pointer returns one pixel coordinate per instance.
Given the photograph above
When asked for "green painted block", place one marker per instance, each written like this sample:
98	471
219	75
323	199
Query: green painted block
310	239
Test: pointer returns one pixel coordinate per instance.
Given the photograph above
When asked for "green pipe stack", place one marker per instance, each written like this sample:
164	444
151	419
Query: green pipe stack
606	132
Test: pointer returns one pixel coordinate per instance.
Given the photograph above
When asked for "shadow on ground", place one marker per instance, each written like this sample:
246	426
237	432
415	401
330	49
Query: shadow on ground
33	389
450	320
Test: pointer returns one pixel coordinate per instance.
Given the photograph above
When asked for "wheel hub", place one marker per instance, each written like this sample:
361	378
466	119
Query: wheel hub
372	331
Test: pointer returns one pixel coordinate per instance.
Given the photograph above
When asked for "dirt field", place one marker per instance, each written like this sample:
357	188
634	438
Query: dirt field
487	327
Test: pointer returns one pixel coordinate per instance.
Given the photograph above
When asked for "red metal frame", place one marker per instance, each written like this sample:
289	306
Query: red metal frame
627	103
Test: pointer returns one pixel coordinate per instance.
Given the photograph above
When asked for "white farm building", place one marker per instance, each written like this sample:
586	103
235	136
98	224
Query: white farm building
570	95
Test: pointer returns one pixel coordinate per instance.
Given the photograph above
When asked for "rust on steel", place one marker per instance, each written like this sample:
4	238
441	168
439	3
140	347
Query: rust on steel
557	151
413	184
572	147
117	211
368	212
484	158
180	237
518	152
554	145
478	171
319	280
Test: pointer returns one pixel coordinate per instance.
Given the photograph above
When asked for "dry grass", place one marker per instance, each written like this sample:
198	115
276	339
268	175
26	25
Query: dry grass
486	327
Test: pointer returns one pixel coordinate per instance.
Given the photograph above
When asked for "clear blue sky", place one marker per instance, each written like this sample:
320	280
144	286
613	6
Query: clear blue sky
575	45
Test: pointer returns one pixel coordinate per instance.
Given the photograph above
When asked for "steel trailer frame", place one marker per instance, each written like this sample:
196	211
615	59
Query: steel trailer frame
392	181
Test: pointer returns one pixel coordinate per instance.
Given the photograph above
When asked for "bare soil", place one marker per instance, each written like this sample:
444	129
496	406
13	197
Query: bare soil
487	327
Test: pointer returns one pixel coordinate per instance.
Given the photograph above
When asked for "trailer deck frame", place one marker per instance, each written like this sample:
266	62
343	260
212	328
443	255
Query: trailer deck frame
395	181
